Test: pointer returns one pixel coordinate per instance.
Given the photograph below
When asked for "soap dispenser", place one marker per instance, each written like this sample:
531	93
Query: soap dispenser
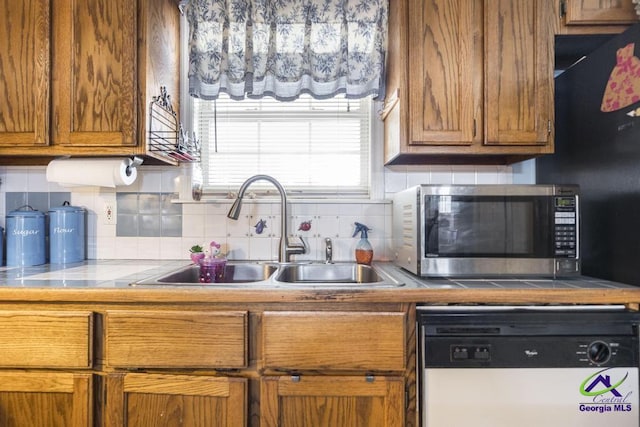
364	250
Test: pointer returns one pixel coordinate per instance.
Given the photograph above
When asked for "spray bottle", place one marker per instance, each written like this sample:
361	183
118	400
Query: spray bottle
364	250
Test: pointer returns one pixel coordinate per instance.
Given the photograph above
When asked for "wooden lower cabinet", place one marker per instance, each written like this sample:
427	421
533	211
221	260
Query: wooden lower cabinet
335	401
46	399
163	400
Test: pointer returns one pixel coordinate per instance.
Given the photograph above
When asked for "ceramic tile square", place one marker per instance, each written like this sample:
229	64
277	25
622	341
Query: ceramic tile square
325	209
418	178
37	179
127	225
170	181
193	209
149	203
193	225
260	249
167	207
171	226
463	175
218	208
15	200
441	175
375	209
351	209
304	209
238	228
127	203
238	248
395	181
104	249
127	247
216	225
149	225
17	180
38	201
328	226
149	180
57	199
171	248
346	225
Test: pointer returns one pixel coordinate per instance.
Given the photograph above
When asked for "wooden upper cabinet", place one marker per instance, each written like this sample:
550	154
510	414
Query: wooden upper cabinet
24	72
77	76
469	81
94	70
593	16
518	100
600	12
442	71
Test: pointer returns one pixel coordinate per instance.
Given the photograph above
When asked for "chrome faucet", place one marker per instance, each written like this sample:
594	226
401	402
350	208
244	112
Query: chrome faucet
285	248
328	251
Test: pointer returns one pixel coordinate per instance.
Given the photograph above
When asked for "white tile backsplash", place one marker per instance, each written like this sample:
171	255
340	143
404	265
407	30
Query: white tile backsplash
203	222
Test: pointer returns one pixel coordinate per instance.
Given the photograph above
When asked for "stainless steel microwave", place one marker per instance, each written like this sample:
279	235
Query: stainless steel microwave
488	230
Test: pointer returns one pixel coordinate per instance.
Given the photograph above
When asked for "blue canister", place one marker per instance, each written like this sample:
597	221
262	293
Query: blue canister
66	234
25	237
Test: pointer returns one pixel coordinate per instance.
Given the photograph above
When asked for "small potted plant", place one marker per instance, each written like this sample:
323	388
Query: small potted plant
197	253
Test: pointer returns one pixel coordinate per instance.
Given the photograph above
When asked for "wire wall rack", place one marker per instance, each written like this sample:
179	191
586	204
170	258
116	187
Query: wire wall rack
167	137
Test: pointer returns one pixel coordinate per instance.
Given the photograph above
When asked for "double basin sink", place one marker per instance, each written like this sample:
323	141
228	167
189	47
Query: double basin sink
285	274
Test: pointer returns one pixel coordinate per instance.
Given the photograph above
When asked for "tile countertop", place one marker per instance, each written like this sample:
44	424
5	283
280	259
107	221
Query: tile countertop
109	281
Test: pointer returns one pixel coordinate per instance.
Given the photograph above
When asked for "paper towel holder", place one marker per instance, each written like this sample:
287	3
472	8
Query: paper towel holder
135	162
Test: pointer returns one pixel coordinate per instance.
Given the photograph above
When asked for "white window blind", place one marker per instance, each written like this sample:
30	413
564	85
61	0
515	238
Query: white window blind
314	148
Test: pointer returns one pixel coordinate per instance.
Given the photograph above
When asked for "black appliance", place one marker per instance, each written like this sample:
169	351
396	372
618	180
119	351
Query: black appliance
598	148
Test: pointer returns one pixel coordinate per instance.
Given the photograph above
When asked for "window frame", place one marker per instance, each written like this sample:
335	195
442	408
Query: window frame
375	166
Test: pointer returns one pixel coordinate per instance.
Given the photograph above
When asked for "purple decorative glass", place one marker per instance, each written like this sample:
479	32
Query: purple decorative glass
212	270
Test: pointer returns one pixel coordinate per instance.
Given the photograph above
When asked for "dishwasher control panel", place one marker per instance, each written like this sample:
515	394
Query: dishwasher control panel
530	352
529	339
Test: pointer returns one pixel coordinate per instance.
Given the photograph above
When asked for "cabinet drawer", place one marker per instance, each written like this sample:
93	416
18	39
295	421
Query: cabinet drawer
366	341
54	339
177	339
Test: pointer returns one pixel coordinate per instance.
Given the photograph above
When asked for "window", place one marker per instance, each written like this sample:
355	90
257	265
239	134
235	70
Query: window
314	147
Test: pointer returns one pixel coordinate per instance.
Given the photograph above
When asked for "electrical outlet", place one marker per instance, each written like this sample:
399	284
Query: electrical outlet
109	214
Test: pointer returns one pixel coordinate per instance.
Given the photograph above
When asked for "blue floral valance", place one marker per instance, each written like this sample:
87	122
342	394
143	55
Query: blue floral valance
283	48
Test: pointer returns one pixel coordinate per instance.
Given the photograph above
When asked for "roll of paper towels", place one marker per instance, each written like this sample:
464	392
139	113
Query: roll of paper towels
102	172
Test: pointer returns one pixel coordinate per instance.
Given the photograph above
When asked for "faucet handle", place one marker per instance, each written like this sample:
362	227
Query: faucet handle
296	247
328	250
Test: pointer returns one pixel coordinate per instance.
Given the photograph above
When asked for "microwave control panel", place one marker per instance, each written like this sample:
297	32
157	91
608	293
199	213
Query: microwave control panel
566	227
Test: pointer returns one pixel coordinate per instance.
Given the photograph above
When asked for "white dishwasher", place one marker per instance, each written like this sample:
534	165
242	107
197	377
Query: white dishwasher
487	366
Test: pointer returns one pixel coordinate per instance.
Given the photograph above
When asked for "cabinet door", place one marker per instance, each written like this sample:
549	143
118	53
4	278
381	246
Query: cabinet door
444	72
518	72
51	399
313	401
94	72
600	12
24	72
142	400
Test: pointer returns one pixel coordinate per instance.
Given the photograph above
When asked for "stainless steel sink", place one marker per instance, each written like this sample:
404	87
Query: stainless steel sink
236	273
332	274
268	274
